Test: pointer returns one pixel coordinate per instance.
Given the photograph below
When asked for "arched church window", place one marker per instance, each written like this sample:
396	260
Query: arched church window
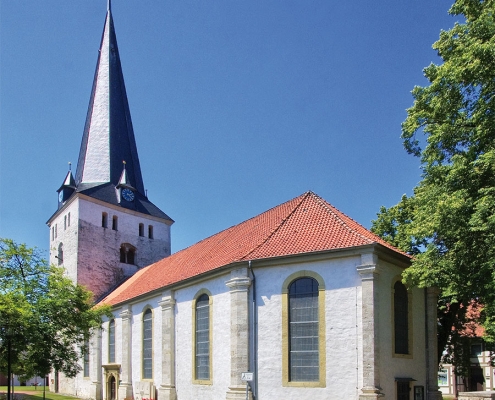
65	222
141	229
150	231
104	220
401	319
86	358
60	253
111	341
127	254
303	331
114	223
148	344
202	339
68	219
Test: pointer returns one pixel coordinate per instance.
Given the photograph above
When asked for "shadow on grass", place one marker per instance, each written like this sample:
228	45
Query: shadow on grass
35	395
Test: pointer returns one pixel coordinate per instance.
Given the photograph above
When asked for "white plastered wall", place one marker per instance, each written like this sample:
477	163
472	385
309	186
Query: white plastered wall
395	366
343	330
220	373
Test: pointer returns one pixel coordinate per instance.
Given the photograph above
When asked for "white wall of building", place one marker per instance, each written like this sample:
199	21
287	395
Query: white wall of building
391	365
220	372
343	334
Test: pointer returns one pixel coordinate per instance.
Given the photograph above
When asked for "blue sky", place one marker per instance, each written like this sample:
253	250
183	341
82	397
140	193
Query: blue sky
237	106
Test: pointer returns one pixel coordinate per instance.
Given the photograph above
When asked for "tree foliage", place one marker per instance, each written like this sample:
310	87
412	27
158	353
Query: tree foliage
449	222
44	315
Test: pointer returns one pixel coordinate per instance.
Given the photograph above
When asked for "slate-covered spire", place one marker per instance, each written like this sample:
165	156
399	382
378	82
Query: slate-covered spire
108	137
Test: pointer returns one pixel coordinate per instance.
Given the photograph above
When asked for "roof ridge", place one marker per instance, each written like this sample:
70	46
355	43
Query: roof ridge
235	225
284	220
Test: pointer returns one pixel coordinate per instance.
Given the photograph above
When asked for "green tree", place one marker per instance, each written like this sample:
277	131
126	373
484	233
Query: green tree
43	314
451	128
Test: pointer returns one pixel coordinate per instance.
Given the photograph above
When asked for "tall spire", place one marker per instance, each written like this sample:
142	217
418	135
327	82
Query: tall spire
108	136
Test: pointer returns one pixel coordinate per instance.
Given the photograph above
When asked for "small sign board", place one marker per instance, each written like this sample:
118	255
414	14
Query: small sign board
246	376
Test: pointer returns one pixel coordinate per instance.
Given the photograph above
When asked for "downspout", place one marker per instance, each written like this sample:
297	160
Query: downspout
254	338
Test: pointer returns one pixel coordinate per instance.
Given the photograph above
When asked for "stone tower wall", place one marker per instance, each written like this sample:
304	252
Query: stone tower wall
64	231
92	252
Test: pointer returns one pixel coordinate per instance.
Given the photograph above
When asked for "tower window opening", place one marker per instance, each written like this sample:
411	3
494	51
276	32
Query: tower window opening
65	222
68	219
114	222
127	254
130	256
55	231
141	229
104	220
60	255
150	231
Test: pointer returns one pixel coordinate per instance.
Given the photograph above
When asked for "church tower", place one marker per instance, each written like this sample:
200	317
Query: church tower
105	228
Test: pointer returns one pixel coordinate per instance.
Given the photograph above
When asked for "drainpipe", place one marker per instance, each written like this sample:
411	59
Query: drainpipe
254	339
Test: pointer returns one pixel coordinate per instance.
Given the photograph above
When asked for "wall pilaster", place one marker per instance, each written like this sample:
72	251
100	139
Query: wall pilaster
167	390
432	343
95	366
125	386
239	332
371	377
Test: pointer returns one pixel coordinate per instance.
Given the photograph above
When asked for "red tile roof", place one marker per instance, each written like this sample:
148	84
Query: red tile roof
302	225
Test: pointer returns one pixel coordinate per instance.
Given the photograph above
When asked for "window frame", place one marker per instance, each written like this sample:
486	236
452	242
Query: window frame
321	382
147	310
208	381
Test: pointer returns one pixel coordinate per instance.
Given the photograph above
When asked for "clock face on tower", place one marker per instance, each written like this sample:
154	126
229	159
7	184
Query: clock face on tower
60	196
127	194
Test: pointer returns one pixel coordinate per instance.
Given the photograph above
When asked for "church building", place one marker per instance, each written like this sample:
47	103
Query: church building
298	302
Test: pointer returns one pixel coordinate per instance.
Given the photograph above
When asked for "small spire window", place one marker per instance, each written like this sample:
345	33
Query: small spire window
65	222
141	229
68	219
104	220
115	223
150	231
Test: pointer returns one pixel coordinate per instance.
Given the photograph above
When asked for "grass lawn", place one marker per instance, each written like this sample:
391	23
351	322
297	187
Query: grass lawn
37	393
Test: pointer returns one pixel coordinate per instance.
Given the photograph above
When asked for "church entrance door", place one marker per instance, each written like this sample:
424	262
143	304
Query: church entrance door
112	389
